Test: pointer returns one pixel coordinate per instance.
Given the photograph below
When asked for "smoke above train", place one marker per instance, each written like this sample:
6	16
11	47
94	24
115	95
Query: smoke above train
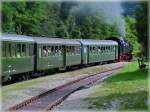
110	12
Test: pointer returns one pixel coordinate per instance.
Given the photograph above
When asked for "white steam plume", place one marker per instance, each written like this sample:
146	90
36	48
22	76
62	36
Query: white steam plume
110	11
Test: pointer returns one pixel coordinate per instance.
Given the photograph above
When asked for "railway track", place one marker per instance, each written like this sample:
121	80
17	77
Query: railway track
49	99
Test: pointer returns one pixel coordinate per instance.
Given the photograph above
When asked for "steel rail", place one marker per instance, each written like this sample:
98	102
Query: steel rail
48	99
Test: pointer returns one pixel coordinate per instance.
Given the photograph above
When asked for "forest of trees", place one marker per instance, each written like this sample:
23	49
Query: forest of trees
55	19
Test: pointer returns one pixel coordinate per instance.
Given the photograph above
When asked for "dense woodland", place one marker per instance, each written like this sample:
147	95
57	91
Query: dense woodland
55	19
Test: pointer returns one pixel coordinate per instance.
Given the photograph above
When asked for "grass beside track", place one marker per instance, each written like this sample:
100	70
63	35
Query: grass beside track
128	90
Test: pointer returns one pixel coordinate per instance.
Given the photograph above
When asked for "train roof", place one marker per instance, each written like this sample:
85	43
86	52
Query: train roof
97	42
48	40
16	38
51	40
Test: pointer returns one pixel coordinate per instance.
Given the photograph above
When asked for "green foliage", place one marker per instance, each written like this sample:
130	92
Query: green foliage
142	26
131	34
51	18
58	19
22	17
8	23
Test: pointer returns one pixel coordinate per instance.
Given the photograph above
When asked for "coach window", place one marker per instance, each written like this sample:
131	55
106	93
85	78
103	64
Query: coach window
67	49
30	50
103	49
107	48
27	49
4	49
78	50
49	50
99	49
110	49
90	49
23	50
113	48
8	50
73	50
70	50
93	49
13	50
52	50
60	50
44	51
40	51
56	50
18	50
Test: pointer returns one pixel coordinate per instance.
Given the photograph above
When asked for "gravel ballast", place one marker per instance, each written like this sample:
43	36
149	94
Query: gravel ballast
16	93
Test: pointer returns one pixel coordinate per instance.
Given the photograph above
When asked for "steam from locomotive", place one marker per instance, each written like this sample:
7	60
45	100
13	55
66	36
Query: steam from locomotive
110	12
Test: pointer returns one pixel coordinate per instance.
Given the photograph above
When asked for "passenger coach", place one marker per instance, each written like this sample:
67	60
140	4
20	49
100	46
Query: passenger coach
98	51
55	53
25	56
17	55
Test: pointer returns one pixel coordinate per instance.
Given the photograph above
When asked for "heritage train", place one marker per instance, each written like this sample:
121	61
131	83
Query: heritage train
24	56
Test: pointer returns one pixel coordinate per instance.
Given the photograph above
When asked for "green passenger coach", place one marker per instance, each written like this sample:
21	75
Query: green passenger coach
55	53
72	52
17	55
49	53
25	56
94	51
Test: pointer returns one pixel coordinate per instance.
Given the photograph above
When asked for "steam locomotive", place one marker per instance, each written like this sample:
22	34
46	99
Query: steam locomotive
25	56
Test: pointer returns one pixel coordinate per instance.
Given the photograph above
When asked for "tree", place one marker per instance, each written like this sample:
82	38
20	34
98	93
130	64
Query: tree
23	17
142	26
8	22
131	34
51	18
